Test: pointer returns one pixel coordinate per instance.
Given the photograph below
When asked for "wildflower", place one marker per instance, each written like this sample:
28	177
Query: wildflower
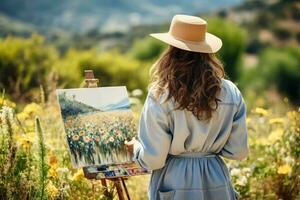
5	102
7	112
25	140
53	171
53	159
81	133
97	138
62	170
261	111
292	114
137	92
23	116
118	132
31	108
284	169
288	160
78	175
86	139
242	181
276	121
111	139
51	190
248	120
275	135
235	172
263	141
75	137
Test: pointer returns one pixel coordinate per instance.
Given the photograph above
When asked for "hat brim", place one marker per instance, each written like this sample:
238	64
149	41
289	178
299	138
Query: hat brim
211	44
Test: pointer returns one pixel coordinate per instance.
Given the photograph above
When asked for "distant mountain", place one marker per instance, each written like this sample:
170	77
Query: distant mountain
121	105
105	15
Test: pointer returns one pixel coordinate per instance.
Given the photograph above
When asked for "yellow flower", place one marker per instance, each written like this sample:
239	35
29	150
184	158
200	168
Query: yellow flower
53	159
248	120
53	171
75	137
51	190
79	175
276	121
262	141
7	103
81	133
284	169
275	135
22	116
292	114
31	108
25	140
261	111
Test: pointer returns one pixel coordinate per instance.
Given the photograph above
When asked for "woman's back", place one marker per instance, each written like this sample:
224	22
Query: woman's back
184	152
192	135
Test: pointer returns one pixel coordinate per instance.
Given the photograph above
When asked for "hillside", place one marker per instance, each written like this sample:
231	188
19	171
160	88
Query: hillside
104	15
269	22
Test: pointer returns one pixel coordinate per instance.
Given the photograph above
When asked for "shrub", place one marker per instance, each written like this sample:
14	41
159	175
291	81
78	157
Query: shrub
234	43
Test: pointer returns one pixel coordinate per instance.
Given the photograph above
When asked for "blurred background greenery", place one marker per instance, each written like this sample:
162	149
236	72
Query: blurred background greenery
48	41
48	44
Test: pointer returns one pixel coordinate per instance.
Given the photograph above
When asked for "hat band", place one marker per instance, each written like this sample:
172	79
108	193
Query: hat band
186	41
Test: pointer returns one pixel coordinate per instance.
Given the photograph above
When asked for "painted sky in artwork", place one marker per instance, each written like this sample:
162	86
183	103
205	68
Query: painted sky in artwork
98	97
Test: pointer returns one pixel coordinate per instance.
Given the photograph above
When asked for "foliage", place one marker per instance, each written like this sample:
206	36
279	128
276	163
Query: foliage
270	172
279	68
234	43
112	67
146	49
24	63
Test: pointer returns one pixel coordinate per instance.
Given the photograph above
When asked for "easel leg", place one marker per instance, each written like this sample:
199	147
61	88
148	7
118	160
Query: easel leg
125	188
104	185
118	186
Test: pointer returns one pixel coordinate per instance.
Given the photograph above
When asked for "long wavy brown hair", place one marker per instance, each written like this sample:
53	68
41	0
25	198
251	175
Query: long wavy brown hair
193	79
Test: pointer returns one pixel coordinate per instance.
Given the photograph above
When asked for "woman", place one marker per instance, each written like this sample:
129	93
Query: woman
191	118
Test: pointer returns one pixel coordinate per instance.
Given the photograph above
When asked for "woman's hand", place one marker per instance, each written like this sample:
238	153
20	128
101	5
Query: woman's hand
130	145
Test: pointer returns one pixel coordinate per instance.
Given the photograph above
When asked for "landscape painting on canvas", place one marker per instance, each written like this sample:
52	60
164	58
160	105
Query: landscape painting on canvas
97	122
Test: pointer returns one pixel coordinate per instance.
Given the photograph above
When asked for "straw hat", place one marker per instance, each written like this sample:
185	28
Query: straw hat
189	33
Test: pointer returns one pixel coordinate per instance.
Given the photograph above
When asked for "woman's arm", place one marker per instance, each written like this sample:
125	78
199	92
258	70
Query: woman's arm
237	147
154	137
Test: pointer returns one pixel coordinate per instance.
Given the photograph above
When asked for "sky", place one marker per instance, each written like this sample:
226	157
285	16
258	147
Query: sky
97	97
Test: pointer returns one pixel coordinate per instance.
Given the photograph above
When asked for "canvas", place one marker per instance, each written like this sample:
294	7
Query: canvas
97	121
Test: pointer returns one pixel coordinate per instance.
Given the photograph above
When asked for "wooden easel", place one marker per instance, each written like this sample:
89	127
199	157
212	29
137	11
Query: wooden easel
91	82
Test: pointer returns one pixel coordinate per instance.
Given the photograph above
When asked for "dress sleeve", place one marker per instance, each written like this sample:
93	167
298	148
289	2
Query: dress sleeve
237	147
151	150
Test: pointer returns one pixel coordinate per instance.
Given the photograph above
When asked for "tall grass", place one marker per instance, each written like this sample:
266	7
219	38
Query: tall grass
43	167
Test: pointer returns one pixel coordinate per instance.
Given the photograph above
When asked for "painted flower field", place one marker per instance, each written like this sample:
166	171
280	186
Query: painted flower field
93	143
35	163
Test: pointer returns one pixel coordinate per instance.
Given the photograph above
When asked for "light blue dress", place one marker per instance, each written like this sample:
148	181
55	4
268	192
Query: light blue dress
185	154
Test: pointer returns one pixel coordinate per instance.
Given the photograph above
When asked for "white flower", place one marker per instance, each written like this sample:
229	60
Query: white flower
235	172
242	181
289	160
137	92
246	169
62	170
